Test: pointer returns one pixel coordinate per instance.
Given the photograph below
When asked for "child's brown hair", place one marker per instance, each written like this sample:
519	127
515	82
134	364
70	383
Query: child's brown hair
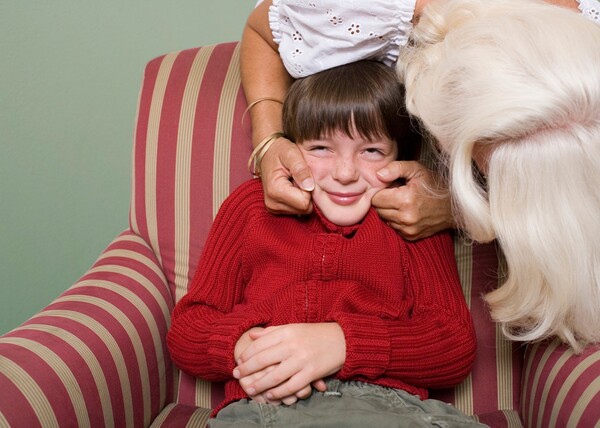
364	97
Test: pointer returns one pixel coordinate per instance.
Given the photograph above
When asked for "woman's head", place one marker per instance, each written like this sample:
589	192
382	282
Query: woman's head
515	86
484	73
349	122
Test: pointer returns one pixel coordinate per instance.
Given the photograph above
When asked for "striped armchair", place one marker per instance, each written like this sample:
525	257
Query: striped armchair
97	357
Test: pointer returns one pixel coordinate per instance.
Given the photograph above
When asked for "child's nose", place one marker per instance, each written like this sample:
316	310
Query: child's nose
345	171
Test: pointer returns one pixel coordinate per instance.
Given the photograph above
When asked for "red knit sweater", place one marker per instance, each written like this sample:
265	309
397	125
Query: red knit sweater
399	303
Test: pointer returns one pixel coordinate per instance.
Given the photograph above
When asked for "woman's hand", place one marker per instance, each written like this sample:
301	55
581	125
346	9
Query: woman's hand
418	209
264	75
286	179
301	354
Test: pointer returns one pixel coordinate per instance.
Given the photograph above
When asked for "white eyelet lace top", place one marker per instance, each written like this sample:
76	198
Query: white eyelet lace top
315	35
591	9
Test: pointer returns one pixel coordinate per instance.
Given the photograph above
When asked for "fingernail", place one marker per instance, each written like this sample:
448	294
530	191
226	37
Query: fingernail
236	373
251	391
308	184
383	173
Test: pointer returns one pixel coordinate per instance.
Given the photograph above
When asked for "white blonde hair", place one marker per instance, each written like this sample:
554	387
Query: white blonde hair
520	79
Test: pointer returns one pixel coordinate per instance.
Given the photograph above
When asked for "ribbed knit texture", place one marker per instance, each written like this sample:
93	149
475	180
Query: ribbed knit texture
399	303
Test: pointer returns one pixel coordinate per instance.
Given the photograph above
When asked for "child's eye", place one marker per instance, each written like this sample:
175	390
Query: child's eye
316	148
372	151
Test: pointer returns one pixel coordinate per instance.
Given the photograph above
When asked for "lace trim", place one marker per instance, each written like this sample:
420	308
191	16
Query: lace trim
314	35
590	9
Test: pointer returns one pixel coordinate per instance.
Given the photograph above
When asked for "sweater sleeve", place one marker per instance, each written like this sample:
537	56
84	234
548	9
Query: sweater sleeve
205	325
430	342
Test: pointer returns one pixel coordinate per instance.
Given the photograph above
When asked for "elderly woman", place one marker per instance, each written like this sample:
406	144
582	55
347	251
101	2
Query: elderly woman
514	86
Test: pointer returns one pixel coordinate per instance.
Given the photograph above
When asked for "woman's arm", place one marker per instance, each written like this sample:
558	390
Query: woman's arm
264	76
571	4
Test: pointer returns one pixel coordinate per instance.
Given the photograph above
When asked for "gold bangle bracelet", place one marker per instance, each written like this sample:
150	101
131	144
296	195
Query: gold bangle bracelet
253	103
259	151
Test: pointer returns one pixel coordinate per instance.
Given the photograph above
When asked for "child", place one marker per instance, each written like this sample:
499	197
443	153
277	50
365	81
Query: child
334	299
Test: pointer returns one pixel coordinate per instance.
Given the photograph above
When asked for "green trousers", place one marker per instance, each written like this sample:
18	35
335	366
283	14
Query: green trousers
346	404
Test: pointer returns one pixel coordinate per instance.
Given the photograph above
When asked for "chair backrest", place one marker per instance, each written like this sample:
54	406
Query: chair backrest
191	149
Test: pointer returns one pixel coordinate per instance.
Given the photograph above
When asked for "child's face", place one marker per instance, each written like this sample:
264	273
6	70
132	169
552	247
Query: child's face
344	170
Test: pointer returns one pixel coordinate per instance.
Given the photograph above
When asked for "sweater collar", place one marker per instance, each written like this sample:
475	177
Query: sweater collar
334	228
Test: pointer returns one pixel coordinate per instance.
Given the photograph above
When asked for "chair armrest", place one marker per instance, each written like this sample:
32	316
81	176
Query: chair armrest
97	355
561	389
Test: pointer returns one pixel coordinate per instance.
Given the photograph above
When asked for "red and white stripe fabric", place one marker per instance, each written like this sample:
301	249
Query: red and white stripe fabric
561	389
96	356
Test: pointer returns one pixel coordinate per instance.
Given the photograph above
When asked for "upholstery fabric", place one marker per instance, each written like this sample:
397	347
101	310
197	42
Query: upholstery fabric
561	389
190	115
96	356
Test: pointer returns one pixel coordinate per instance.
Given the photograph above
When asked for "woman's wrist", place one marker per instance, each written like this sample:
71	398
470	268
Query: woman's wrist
266	120
259	151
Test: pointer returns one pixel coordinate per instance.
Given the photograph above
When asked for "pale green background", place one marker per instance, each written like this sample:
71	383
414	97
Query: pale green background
70	73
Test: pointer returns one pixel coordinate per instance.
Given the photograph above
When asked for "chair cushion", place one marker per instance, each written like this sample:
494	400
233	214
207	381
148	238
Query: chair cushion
96	355
561	388
180	415
494	384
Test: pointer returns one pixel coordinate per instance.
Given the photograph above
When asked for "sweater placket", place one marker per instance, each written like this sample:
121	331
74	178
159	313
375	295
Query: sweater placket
327	248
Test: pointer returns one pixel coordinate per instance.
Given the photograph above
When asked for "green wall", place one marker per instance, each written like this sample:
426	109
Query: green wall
69	79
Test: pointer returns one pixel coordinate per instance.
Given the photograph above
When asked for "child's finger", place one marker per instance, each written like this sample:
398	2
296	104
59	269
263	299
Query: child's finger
271	356
298	385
